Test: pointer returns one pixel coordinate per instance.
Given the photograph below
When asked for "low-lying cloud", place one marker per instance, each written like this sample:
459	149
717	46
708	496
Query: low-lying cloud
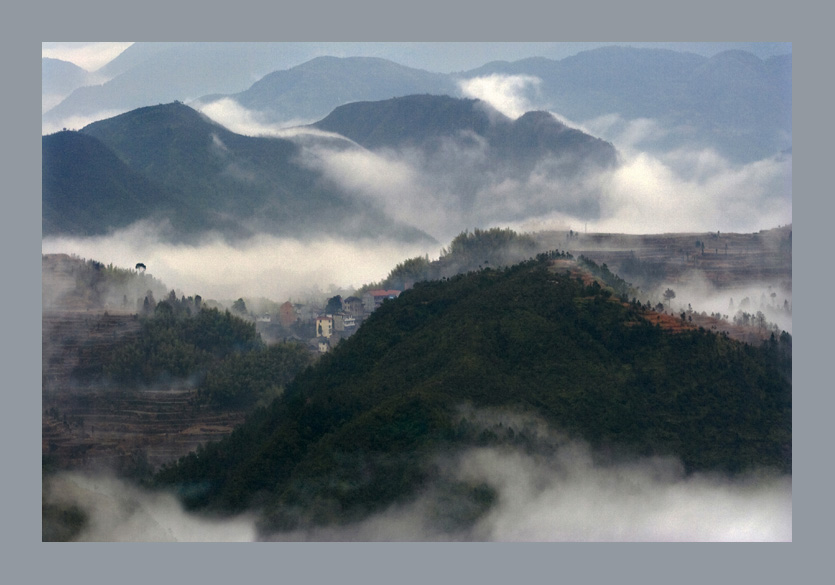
694	191
569	497
574	499
269	266
118	511
694	291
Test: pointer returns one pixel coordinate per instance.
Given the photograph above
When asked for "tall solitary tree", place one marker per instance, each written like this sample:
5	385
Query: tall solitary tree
334	305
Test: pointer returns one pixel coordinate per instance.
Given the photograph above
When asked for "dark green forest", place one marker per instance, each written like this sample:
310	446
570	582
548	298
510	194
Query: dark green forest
363	428
222	353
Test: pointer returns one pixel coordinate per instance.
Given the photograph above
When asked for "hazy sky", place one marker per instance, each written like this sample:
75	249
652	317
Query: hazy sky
442	57
89	56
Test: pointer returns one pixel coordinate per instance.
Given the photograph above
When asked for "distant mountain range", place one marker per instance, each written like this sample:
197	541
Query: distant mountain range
313	89
61	76
170	162
734	102
148	74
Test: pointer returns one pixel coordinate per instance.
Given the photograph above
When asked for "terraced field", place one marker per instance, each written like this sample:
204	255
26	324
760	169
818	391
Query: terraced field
724	260
92	426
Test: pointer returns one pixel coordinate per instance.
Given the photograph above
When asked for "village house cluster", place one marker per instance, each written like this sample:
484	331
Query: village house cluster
321	328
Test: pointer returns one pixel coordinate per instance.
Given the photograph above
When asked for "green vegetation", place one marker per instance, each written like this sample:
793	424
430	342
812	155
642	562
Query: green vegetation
219	351
490	248
244	378
620	286
172	343
363	428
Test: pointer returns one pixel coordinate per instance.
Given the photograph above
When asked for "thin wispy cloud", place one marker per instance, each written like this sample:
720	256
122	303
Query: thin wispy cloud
230	114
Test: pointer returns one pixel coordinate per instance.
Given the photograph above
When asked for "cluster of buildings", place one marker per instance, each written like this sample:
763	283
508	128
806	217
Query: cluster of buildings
322	330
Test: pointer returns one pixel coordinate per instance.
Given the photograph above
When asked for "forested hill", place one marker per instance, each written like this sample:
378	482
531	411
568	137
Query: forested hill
363	428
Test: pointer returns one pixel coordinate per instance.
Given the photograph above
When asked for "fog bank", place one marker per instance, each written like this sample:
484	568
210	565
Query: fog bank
567	497
268	266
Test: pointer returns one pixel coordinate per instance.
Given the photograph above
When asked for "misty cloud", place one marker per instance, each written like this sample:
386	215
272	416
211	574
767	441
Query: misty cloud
628	135
118	511
649	192
570	496
695	290
49	101
682	190
507	93
235	117
695	191
574	494
269	266
230	114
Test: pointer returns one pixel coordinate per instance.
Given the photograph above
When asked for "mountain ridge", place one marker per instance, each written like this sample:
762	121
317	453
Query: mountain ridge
239	185
244	185
635	83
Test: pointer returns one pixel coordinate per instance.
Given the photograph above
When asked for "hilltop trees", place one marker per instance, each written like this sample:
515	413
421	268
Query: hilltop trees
334	305
92	284
239	307
476	250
